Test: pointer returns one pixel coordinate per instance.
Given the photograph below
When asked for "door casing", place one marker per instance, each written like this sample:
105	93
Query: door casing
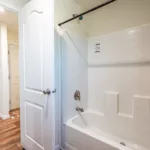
14	85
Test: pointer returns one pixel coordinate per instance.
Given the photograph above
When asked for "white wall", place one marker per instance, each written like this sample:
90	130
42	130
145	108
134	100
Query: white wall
74	73
119	85
74	69
13	4
4	97
74	76
63	11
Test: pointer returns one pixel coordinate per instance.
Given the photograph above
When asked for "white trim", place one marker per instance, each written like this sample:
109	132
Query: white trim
4	72
4	117
58	85
9	8
59	92
10	98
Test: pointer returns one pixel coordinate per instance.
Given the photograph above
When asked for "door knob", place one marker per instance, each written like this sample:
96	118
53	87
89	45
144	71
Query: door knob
47	92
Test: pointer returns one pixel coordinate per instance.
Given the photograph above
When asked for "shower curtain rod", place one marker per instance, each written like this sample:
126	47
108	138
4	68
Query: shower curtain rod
88	11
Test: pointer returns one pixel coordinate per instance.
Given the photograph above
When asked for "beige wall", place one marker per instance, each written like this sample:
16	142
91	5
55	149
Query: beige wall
12	37
117	16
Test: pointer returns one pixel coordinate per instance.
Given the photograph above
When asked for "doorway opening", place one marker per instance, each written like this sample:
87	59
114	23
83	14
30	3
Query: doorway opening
13	58
9	81
9	66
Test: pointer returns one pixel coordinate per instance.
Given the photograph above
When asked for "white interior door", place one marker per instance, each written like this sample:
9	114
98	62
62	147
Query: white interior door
37	75
14	76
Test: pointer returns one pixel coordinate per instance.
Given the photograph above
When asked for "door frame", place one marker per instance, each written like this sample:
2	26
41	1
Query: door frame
14	44
13	10
6	115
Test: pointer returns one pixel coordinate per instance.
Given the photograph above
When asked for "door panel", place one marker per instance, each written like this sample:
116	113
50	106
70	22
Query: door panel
33	58
36	75
34	122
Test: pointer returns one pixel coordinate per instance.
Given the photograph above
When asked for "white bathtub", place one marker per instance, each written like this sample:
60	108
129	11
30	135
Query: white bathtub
82	134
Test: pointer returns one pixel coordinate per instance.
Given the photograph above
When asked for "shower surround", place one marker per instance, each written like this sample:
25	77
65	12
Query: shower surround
118	89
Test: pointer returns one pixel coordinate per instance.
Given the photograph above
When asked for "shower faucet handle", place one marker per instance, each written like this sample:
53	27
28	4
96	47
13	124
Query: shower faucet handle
79	109
77	95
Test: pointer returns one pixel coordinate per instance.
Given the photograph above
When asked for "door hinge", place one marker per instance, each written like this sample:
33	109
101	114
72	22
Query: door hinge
8	52
9	101
9	77
54	91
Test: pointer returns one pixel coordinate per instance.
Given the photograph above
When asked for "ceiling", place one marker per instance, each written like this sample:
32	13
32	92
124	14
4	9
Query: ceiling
87	4
13	4
11	19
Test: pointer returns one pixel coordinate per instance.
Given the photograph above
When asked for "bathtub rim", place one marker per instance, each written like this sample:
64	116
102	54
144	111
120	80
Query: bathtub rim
90	133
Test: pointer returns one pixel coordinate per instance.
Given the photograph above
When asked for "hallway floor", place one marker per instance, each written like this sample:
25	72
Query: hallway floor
10	132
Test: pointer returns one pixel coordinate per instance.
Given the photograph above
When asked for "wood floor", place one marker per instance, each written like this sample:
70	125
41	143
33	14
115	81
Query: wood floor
10	132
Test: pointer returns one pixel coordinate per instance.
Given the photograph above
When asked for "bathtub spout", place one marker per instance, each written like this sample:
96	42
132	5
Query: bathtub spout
79	109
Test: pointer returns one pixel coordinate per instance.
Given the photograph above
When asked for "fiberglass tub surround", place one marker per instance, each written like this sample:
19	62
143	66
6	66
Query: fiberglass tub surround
117	108
85	132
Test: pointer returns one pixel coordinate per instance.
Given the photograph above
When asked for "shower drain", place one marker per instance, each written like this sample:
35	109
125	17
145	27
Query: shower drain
122	143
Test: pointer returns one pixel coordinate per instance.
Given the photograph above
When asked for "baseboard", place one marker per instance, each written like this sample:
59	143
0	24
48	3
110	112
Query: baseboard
4	117
14	109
